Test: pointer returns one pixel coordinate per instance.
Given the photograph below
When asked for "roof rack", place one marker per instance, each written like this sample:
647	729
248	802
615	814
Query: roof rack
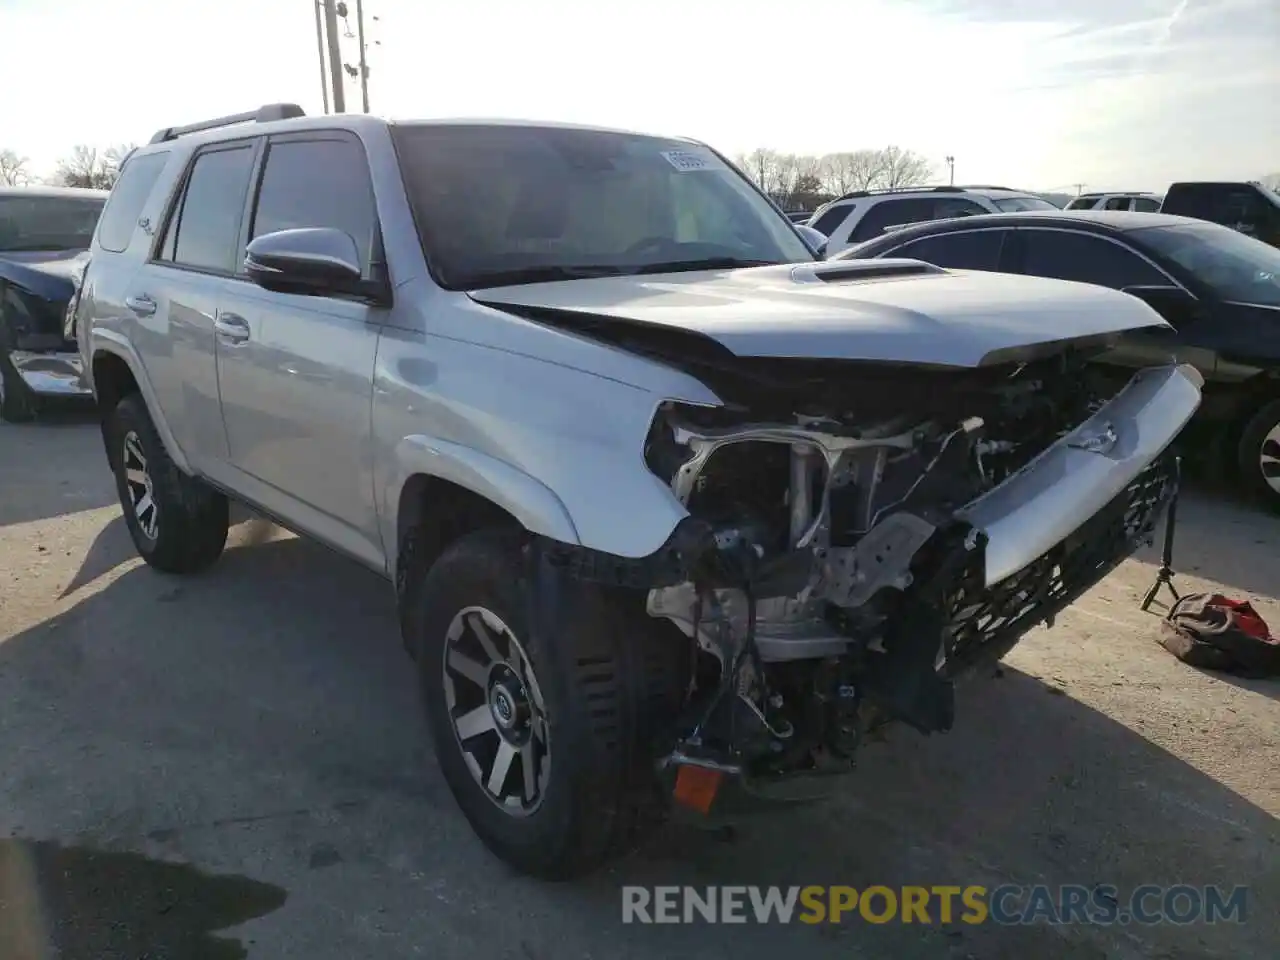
886	190
264	114
988	186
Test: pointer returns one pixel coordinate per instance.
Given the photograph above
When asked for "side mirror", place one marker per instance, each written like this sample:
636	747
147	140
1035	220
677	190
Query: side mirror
813	238
1173	303
313	261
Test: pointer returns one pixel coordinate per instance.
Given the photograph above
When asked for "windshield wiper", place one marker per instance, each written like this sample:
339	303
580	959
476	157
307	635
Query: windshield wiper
540	274
707	263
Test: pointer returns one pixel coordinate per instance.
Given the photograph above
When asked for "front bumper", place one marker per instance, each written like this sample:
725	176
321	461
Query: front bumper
51	374
1055	494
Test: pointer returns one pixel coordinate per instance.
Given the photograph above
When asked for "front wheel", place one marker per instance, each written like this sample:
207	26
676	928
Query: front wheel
178	524
1259	454
545	740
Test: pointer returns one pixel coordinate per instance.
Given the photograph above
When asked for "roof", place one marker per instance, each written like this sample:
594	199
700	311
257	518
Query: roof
44	191
1100	221
357	122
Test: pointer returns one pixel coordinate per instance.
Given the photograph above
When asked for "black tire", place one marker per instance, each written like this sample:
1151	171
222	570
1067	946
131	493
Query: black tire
190	519
17	403
610	679
1254	443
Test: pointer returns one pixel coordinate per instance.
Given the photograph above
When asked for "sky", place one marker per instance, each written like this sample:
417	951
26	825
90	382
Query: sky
1041	94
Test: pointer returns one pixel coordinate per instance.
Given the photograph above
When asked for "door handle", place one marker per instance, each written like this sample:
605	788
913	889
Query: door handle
142	305
231	328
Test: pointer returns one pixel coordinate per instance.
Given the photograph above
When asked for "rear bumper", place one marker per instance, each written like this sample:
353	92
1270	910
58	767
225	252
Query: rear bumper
1070	482
51	374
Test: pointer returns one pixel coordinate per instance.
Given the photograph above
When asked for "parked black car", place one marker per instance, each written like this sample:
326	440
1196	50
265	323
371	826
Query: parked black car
1218	287
44	238
1248	207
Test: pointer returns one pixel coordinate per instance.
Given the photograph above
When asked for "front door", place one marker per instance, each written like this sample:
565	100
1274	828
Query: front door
295	373
1110	262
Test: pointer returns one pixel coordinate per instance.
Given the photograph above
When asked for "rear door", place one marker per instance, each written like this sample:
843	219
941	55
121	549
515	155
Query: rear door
295	372
959	250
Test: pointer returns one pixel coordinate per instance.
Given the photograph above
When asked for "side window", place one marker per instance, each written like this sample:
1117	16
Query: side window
1117	203
1146	204
1087	259
204	230
1244	210
831	218
965	250
946	207
127	199
317	183
890	213
1193	200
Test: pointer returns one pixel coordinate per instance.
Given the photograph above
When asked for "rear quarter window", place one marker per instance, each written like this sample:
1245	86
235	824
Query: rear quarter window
127	199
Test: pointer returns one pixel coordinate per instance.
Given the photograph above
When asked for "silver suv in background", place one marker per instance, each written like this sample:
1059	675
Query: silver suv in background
672	509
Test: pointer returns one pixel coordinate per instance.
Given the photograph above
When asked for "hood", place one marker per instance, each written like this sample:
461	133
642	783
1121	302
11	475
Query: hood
890	311
48	274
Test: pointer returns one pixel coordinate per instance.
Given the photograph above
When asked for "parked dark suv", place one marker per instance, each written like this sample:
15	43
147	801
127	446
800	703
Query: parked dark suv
1250	208
1219	288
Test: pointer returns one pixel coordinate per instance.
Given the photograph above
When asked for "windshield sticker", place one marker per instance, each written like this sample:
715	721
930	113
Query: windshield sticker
687	161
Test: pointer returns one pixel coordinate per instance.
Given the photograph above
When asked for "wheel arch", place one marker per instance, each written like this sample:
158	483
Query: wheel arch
115	371
467	489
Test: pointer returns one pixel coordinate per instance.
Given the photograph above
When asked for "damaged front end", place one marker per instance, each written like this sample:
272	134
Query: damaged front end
851	550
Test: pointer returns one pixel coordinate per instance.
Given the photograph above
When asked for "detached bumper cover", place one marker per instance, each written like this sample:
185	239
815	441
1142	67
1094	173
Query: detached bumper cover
1070	482
1070	517
52	374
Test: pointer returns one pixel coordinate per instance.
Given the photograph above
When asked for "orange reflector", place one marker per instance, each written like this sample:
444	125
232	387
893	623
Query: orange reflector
696	787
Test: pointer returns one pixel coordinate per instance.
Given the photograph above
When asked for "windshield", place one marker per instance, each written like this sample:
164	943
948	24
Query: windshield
1235	266
520	204
47	223
1018	204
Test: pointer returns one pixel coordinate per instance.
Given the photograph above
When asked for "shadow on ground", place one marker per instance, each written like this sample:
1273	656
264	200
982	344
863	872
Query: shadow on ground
52	467
71	904
161	710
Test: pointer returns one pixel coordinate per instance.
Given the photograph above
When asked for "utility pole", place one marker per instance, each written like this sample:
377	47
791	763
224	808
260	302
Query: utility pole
1079	188
364	66
324	74
951	165
335	56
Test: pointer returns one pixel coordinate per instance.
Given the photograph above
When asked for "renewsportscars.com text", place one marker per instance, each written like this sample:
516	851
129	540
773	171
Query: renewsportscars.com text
1007	905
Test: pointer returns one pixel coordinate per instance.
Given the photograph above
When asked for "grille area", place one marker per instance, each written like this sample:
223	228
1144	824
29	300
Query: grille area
985	622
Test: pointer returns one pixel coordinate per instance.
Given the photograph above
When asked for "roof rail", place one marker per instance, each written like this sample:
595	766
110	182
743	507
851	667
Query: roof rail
987	186
881	191
264	114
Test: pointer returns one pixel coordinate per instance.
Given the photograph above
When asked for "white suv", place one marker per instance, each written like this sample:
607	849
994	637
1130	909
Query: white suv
865	214
1140	202
660	495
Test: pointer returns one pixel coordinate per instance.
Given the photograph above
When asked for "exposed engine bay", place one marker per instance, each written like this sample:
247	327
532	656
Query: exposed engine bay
838	584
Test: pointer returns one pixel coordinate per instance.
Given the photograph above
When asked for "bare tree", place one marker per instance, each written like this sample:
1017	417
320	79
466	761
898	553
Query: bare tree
91	167
13	169
857	170
903	168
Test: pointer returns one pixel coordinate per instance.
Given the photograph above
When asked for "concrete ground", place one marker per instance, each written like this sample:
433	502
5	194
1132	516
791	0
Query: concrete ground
244	750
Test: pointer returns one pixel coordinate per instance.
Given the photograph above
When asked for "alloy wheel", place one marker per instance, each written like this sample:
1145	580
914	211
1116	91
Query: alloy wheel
138	483
497	712
1269	458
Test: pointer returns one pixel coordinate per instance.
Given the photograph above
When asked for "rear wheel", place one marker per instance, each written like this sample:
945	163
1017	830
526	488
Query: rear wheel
178	524
17	403
546	742
1259	454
